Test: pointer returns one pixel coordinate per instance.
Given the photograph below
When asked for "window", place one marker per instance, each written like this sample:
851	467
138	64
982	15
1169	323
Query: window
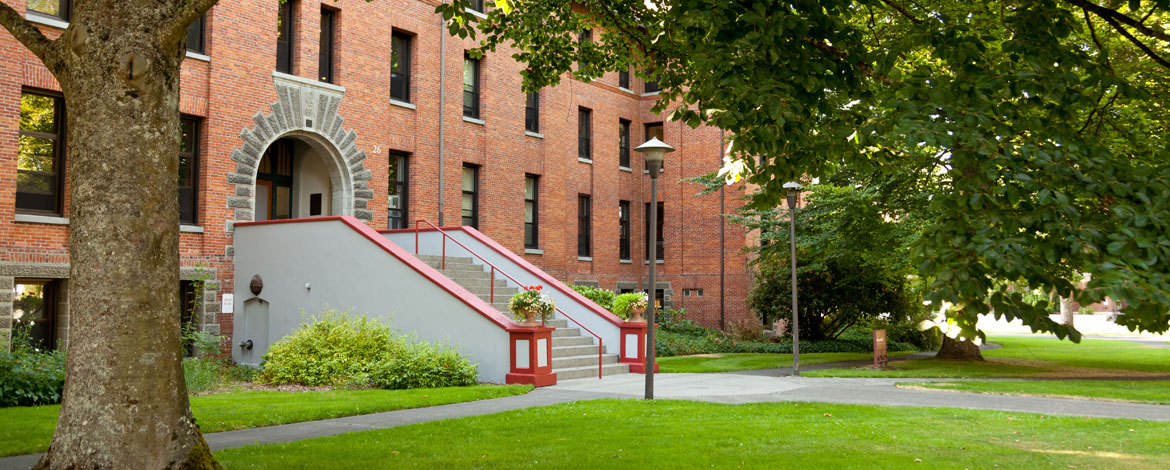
40	164
57	8
274	182
195	35
188	170
34	306
584	134
583	39
471	196
624	230
399	190
477	5
659	251
531	216
284	37
325	57
653	130
584	226
624	78
651	85
400	67
532	112
470	88
624	144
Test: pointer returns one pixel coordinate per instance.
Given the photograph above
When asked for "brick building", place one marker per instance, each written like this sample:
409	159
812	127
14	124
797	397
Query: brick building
335	108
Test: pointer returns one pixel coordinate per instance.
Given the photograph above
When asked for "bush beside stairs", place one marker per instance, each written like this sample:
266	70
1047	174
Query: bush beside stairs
574	352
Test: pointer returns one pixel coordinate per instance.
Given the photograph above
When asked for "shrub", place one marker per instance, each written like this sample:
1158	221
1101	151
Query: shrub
599	296
31	378
340	349
622	303
334	348
203	375
423	365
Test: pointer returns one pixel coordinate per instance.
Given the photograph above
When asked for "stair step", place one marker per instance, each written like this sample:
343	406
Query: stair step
451	260
482	282
582	361
458	268
591	371
559	341
578	350
556	322
563	332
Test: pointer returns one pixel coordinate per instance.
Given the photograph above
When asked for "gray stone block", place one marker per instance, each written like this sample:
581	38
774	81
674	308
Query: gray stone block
274	124
353	155
5	324
237	202
244	215
363	214
349	139
229	226
6	283
360	185
359	203
246	170
238	178
5	296
244	191
262	131
229	251
362	175
297	112
50	271
364	193
5	308
281	123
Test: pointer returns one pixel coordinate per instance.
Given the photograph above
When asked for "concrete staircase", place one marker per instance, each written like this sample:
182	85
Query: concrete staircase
574	352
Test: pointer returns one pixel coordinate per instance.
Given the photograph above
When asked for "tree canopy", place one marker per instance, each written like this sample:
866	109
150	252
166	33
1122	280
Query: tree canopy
1039	127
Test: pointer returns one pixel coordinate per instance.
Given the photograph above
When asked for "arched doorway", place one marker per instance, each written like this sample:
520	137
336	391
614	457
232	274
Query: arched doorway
293	180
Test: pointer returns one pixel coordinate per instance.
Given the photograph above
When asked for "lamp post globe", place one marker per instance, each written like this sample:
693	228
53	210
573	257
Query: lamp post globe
655	151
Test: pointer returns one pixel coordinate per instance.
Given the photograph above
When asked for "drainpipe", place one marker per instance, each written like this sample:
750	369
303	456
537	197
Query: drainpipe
442	103
722	251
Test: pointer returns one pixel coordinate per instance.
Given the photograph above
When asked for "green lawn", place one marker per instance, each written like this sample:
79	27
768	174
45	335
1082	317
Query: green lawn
680	434
28	429
750	361
1140	391
1033	357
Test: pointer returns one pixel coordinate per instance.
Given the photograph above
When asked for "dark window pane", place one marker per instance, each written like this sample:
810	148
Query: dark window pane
624	229
624	144
651	84
477	5
584	226
531	217
195	35
38	113
58	8
584	134
471	88
400	68
188	170
398	191
532	112
34	308
624	79
284	37
39	154
659	243
653	130
471	196
325	55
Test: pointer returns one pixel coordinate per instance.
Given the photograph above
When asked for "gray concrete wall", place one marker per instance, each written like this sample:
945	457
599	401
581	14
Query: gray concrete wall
310	265
430	243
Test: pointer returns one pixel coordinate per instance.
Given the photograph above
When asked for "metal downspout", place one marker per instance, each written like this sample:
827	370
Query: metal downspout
722	250
442	105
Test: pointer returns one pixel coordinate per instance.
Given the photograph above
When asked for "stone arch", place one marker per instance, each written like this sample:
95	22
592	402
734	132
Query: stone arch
306	110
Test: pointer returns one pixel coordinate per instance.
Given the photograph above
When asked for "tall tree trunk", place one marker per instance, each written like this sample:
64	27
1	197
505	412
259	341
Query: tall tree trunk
1066	312
125	401
955	350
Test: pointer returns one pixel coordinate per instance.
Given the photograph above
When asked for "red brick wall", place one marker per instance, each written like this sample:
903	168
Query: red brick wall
237	83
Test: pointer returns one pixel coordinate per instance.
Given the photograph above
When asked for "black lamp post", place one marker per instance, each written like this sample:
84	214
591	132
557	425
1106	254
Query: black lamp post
793	193
655	151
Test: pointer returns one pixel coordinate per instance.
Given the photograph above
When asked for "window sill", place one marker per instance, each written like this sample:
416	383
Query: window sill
652	93
198	56
533	251
402	104
660	171
46	20
474	121
534	134
585	160
585	258
309	82
626	169
627	90
660	261
183	228
625	261
41	219
479	14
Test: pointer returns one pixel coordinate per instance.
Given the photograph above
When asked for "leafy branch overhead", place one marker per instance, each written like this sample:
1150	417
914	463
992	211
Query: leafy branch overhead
1042	125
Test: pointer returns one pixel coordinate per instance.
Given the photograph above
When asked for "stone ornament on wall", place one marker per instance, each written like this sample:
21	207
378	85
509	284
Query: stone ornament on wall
306	109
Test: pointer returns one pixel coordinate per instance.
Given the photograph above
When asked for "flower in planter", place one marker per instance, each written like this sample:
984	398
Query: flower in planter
623	304
531	300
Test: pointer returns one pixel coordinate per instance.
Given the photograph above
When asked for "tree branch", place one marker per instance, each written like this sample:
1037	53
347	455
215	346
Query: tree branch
840	54
903	11
186	14
1107	14
1146	49
25	32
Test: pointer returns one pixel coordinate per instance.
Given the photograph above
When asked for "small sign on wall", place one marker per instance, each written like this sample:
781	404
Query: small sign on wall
228	303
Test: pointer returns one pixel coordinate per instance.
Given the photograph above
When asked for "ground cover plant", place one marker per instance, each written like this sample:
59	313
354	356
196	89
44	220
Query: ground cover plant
1033	357
705	435
1138	391
27	429
752	361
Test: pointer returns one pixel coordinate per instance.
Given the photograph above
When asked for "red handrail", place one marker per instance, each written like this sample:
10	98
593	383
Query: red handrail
492	289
